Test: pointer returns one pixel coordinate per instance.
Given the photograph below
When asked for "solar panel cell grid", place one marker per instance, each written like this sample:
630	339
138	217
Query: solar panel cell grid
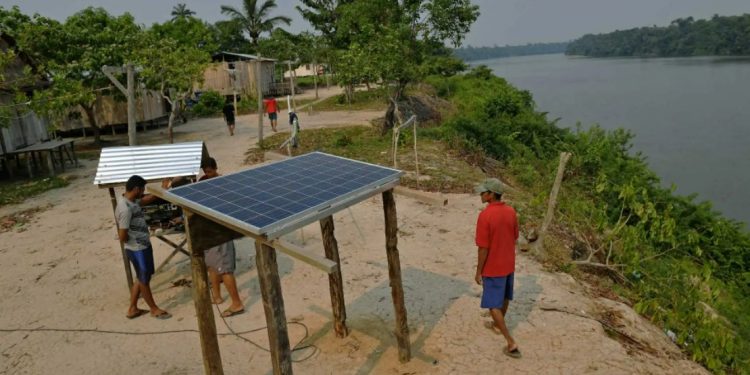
286	190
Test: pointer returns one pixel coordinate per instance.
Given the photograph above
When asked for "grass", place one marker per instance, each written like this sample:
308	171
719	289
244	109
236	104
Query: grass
441	169
17	192
375	100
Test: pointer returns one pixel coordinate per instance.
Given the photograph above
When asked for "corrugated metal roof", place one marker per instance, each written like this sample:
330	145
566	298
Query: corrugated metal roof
117	164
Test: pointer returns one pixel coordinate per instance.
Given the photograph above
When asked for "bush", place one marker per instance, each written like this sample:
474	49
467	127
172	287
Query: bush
210	103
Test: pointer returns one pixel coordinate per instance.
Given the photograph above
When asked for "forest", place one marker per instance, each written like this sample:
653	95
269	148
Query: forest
470	53
718	36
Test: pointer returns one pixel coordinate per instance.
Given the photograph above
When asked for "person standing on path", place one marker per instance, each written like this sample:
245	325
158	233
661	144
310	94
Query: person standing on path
496	235
221	260
133	234
272	109
228	111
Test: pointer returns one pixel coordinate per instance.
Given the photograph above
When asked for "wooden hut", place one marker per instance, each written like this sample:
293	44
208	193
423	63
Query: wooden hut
21	128
110	111
235	73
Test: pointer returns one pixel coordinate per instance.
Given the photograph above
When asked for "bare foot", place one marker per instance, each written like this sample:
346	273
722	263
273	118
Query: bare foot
218	300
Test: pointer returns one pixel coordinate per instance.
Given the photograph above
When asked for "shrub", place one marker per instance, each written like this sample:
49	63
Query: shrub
210	103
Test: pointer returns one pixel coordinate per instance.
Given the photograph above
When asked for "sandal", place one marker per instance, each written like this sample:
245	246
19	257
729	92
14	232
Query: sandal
515	353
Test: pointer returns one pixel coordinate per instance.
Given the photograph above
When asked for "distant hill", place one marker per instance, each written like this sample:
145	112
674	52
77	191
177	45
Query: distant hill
718	36
480	53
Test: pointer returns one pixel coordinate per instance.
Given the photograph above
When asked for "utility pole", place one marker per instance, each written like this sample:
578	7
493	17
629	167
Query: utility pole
258	83
131	105
291	83
129	93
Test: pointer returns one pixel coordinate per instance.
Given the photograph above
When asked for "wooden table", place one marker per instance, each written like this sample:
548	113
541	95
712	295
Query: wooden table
53	147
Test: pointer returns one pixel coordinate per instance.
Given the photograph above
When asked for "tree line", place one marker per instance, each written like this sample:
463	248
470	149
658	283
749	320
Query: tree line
718	36
471	53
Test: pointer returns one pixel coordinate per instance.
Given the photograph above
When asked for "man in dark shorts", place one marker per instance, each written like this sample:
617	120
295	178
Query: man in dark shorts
272	109
134	235
496	234
221	260
228	111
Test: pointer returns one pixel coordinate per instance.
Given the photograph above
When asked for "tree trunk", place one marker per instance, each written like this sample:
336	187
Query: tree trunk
169	125
390	118
89	110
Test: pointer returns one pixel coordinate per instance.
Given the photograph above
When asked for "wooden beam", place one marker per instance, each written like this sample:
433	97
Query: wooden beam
273	306
128	271
304	255
394	274
335	282
202	299
210	233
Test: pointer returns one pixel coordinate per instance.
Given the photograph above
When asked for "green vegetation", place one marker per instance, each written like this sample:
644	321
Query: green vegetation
438	172
17	192
680	263
481	53
719	36
210	104
374	99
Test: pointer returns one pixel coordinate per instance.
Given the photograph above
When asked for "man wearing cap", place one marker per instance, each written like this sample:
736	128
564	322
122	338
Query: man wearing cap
496	234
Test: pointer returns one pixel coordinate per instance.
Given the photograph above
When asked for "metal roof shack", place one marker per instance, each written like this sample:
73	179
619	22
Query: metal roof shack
153	163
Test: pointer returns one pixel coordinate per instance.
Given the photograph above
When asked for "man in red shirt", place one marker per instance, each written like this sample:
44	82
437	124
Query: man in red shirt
497	231
272	108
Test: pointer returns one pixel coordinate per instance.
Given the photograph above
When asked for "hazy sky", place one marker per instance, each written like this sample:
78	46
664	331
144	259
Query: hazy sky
501	22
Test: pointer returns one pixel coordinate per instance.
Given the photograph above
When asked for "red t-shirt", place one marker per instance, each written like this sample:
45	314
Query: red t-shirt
271	105
497	230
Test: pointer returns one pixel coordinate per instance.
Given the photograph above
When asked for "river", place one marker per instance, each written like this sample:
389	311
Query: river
690	116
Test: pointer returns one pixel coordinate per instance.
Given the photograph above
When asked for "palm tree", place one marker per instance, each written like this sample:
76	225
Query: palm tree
181	11
255	20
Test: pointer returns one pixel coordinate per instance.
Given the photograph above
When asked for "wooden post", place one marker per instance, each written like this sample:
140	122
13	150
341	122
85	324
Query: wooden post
538	244
335	282
394	273
315	79
128	271
259	90
130	70
202	298
273	305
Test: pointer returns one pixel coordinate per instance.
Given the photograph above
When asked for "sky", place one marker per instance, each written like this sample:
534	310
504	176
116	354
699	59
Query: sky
501	22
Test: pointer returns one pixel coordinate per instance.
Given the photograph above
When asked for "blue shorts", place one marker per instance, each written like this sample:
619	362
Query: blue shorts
143	262
272	115
496	290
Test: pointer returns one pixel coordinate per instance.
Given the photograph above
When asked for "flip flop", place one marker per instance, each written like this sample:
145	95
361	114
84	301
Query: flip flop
227	313
492	327
164	315
138	313
515	353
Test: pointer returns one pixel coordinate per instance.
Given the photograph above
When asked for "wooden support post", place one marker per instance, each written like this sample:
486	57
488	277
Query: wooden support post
128	271
273	305
539	243
394	273
202	298
259	91
335	282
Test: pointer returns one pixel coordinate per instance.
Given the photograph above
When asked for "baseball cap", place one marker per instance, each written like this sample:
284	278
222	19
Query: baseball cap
491	184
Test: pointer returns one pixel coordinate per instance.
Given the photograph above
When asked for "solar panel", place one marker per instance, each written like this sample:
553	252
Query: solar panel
275	197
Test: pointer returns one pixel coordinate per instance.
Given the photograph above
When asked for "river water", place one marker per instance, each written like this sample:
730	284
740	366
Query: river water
690	116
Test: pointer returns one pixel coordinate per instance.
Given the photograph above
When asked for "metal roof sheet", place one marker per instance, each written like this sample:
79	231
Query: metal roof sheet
117	164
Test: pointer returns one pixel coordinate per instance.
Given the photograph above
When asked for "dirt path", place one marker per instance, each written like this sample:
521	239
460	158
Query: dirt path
63	270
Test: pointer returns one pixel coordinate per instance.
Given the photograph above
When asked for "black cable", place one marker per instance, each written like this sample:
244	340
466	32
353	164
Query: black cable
294	348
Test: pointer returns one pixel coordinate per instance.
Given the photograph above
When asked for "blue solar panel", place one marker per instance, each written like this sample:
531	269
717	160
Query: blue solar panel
279	193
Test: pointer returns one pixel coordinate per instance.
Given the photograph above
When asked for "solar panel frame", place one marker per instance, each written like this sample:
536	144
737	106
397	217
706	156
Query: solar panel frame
321	200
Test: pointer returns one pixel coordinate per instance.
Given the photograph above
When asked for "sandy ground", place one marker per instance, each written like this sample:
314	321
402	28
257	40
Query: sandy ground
64	270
